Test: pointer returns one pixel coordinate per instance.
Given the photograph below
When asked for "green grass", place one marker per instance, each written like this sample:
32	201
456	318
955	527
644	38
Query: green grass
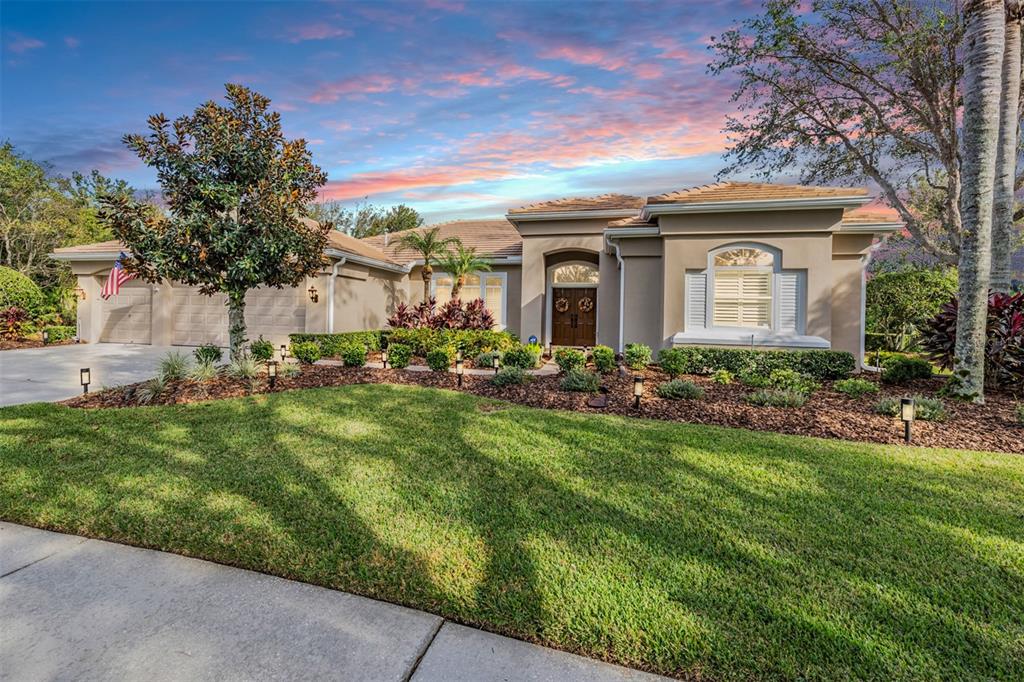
682	549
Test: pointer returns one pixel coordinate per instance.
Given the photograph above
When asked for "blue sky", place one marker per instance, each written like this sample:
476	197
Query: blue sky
460	109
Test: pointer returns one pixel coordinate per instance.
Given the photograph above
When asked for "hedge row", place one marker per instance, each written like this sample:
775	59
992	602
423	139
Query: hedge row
470	341
57	333
820	364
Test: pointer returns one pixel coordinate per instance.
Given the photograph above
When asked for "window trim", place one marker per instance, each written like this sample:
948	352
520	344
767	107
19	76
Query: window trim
481	293
772	270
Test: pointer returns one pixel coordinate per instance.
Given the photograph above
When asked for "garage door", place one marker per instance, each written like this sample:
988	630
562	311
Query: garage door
127	317
198	319
275	313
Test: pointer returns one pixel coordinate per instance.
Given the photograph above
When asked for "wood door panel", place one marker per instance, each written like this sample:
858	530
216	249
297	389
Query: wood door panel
573	326
561	322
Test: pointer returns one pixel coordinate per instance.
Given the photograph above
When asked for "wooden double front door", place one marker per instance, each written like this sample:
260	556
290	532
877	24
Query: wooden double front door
574	316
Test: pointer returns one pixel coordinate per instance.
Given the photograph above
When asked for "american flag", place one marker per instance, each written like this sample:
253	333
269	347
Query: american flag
117	277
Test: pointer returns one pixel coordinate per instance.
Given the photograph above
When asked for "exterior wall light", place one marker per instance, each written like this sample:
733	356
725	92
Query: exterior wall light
313	295
272	372
907	414
459	370
85	376
495	363
384	357
80	292
638	389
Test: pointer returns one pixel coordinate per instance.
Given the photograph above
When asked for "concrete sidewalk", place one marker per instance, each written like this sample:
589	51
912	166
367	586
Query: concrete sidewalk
74	608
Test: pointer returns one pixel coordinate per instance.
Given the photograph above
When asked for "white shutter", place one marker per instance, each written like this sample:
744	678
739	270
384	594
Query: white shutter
696	300
742	298
789	311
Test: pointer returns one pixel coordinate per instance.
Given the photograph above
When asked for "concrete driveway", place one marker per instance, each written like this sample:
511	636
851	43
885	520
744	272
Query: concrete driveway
35	375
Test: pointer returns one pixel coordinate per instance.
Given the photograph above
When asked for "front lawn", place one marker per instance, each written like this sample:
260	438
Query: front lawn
684	549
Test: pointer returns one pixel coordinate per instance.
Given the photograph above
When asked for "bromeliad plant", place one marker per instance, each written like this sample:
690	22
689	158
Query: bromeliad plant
452	315
1004	348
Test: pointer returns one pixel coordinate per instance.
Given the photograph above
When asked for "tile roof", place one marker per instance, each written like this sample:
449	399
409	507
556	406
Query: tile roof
604	202
751	191
873	214
490	238
633	221
335	240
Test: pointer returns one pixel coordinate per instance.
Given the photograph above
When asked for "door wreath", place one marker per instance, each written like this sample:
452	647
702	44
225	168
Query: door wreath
586	304
562	304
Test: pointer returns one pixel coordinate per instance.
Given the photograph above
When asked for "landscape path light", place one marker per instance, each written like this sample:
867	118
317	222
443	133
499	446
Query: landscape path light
85	376
459	369
46	336
907	414
272	372
638	389
458	355
495	362
284	352
384	358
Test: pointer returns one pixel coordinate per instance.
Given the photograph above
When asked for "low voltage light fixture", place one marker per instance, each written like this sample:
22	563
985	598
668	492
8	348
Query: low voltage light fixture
313	295
907	413
638	389
284	352
459	370
272	372
85	376
384	357
495	363
46	337
547	349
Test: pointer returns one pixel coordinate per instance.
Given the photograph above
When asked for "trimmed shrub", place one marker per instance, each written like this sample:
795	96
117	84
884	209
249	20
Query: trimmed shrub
331	344
855	388
772	397
754	379
510	376
521	356
174	365
306	352
485	359
901	369
581	381
59	332
208	353
470	341
820	364
440	358
261	349
925	409
672	361
13	322
791	380
604	359
722	377
637	355
569	359
18	290
399	355
680	389
353	354
203	371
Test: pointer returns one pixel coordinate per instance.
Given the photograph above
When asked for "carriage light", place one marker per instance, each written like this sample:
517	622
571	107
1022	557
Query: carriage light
313	295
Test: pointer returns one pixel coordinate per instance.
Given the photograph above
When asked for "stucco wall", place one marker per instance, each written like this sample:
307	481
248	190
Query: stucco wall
513	296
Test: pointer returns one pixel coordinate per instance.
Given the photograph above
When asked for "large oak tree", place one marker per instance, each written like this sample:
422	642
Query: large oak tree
236	192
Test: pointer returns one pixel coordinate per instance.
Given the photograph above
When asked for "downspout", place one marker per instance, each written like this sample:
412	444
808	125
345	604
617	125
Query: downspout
865	262
330	293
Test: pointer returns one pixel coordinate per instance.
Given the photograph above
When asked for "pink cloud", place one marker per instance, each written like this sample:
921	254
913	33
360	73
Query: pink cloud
336	126
352	87
584	55
19	44
319	30
647	71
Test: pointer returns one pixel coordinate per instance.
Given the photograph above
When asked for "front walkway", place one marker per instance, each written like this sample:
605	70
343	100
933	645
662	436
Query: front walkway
74	608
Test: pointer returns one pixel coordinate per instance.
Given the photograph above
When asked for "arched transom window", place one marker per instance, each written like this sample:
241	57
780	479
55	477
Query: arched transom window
575	273
742	294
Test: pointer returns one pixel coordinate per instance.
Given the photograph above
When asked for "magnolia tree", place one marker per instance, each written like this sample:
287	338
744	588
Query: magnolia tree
236	192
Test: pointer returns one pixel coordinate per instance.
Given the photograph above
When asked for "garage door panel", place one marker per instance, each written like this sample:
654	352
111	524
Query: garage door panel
127	316
198	319
275	313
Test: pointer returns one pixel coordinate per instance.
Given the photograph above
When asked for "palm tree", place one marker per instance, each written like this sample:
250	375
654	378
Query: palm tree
430	246
1006	163
984	38
459	263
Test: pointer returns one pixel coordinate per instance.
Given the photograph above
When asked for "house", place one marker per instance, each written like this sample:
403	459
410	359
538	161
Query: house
728	264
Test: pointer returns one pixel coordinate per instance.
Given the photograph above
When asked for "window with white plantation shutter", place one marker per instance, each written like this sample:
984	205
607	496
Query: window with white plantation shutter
742	298
790	290
696	300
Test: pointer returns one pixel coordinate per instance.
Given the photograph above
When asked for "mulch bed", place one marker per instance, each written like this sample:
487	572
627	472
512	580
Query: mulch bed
8	344
827	414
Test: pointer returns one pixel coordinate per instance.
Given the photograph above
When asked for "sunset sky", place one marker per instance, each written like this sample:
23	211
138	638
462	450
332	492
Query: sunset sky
459	109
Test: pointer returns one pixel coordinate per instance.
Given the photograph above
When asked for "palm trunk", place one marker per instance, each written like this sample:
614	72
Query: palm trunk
457	285
236	324
985	40
1006	161
428	273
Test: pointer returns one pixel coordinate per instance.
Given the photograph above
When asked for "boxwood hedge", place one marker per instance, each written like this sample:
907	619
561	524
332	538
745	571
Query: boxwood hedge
820	364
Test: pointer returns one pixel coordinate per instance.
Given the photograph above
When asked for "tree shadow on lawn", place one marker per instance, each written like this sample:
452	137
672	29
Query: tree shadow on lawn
661	547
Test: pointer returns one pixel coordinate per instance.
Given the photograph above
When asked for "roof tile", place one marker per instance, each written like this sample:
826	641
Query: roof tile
603	202
490	238
751	191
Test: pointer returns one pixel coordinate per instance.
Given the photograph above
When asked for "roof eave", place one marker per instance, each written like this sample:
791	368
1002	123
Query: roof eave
364	260
869	228
844	202
605	213
88	255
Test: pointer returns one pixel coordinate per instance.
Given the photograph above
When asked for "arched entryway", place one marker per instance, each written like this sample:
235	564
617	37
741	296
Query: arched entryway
572	305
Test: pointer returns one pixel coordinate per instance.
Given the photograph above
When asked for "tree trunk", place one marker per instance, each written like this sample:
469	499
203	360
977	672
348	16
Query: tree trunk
457	285
428	273
984	40
1003	240
236	324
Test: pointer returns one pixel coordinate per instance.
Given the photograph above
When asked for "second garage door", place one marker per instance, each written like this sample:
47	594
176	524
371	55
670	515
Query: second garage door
198	319
127	317
275	313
